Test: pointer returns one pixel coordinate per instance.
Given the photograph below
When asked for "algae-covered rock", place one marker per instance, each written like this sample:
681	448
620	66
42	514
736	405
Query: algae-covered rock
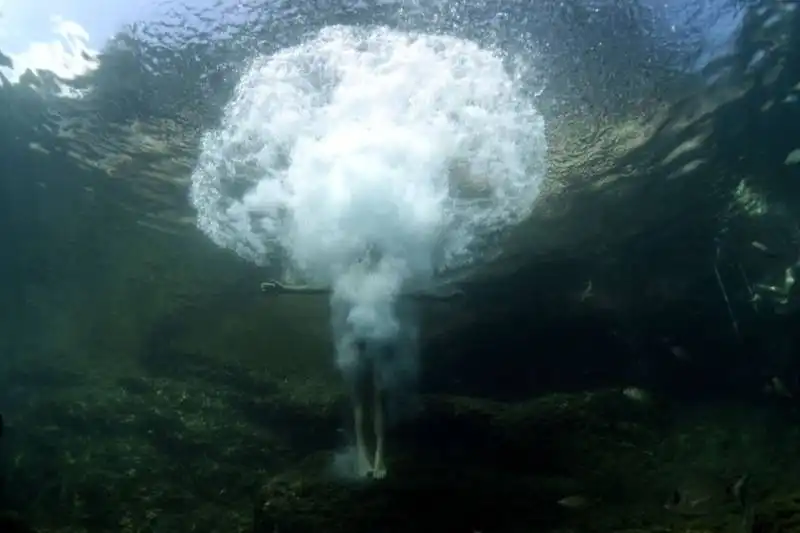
780	514
586	462
11	523
445	499
221	447
471	465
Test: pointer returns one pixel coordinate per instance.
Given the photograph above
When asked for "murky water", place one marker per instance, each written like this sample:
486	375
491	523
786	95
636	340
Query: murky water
144	379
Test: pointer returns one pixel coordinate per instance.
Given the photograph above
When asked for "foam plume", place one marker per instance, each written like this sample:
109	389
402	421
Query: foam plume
371	161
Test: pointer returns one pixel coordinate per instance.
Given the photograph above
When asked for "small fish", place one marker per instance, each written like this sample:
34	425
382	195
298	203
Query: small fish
587	292
760	246
680	353
689	501
699	498
777	387
576	501
739	490
636	394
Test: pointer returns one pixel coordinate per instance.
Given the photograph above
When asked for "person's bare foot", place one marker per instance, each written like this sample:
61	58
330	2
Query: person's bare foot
379	468
363	467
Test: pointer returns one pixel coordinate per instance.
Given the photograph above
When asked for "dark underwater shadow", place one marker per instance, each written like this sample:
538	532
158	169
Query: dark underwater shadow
649	244
255	397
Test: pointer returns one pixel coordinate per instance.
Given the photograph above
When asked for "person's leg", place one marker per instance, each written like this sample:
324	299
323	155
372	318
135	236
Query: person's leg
359	393
379	426
363	465
380	367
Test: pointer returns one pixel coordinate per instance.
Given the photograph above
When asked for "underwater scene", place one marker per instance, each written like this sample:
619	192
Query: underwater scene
388	266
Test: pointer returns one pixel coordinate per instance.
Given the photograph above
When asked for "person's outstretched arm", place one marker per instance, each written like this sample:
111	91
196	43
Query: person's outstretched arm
438	294
275	287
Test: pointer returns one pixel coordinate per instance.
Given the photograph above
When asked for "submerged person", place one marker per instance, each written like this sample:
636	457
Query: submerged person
367	391
367	364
